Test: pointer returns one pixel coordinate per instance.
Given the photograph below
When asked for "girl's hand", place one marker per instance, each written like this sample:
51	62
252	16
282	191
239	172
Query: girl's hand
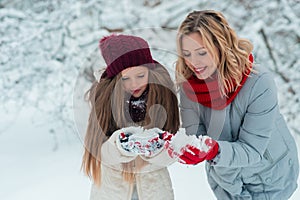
142	142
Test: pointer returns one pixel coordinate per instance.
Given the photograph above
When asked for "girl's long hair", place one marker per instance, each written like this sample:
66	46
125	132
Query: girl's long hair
229	52
108	114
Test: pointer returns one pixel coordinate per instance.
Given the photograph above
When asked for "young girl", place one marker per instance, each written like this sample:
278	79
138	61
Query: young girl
134	92
224	96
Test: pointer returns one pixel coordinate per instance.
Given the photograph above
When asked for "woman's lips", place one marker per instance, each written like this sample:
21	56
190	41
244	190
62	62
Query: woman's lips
199	70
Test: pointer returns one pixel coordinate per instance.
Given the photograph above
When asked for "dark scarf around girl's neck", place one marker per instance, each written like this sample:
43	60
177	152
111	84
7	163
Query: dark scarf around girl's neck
136	107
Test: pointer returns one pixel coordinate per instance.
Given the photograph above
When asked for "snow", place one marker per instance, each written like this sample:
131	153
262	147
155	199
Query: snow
35	166
49	51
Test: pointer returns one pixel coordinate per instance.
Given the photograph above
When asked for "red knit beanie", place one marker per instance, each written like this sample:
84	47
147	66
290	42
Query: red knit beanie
124	51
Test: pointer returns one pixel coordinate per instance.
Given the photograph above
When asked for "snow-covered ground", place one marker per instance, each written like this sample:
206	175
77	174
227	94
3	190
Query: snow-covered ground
37	164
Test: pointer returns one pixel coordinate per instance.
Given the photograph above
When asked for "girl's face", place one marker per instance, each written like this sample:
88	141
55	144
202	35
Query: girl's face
197	57
135	80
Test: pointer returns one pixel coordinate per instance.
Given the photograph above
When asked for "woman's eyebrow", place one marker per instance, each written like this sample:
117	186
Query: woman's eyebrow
194	49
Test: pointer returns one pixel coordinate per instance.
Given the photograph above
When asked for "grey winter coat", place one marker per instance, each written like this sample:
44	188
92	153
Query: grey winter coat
258	155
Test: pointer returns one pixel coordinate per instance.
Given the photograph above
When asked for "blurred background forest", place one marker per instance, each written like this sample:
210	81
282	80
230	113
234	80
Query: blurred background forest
46	45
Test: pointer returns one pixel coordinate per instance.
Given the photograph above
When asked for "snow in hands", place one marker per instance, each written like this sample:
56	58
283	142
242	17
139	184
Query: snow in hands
146	143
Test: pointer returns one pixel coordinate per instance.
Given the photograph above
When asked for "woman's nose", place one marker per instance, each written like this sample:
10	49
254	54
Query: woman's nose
195	59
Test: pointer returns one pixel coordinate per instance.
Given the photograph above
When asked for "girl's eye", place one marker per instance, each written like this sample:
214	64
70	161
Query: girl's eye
141	76
124	78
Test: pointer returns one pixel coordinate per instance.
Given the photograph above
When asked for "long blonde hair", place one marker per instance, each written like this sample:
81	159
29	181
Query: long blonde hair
108	114
229	52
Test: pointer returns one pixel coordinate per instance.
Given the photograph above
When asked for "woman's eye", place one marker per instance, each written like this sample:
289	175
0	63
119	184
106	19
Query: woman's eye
203	53
141	76
186	54
124	78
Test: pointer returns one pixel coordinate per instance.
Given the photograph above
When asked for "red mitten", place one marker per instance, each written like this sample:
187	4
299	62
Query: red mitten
212	147
176	144
191	156
207	149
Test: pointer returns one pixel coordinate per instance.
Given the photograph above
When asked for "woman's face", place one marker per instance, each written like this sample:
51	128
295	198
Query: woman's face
135	80
197	57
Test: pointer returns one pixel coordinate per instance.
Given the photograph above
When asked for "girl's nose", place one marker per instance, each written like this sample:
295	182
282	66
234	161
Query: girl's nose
133	84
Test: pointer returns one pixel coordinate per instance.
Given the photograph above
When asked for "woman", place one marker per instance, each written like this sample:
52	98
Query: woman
225	96
134	92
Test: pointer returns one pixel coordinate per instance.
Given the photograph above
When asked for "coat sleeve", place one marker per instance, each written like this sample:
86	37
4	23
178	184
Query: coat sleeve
112	154
190	116
256	128
162	159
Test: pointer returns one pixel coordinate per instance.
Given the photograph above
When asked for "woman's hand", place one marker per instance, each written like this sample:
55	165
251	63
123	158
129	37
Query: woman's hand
189	149
207	149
